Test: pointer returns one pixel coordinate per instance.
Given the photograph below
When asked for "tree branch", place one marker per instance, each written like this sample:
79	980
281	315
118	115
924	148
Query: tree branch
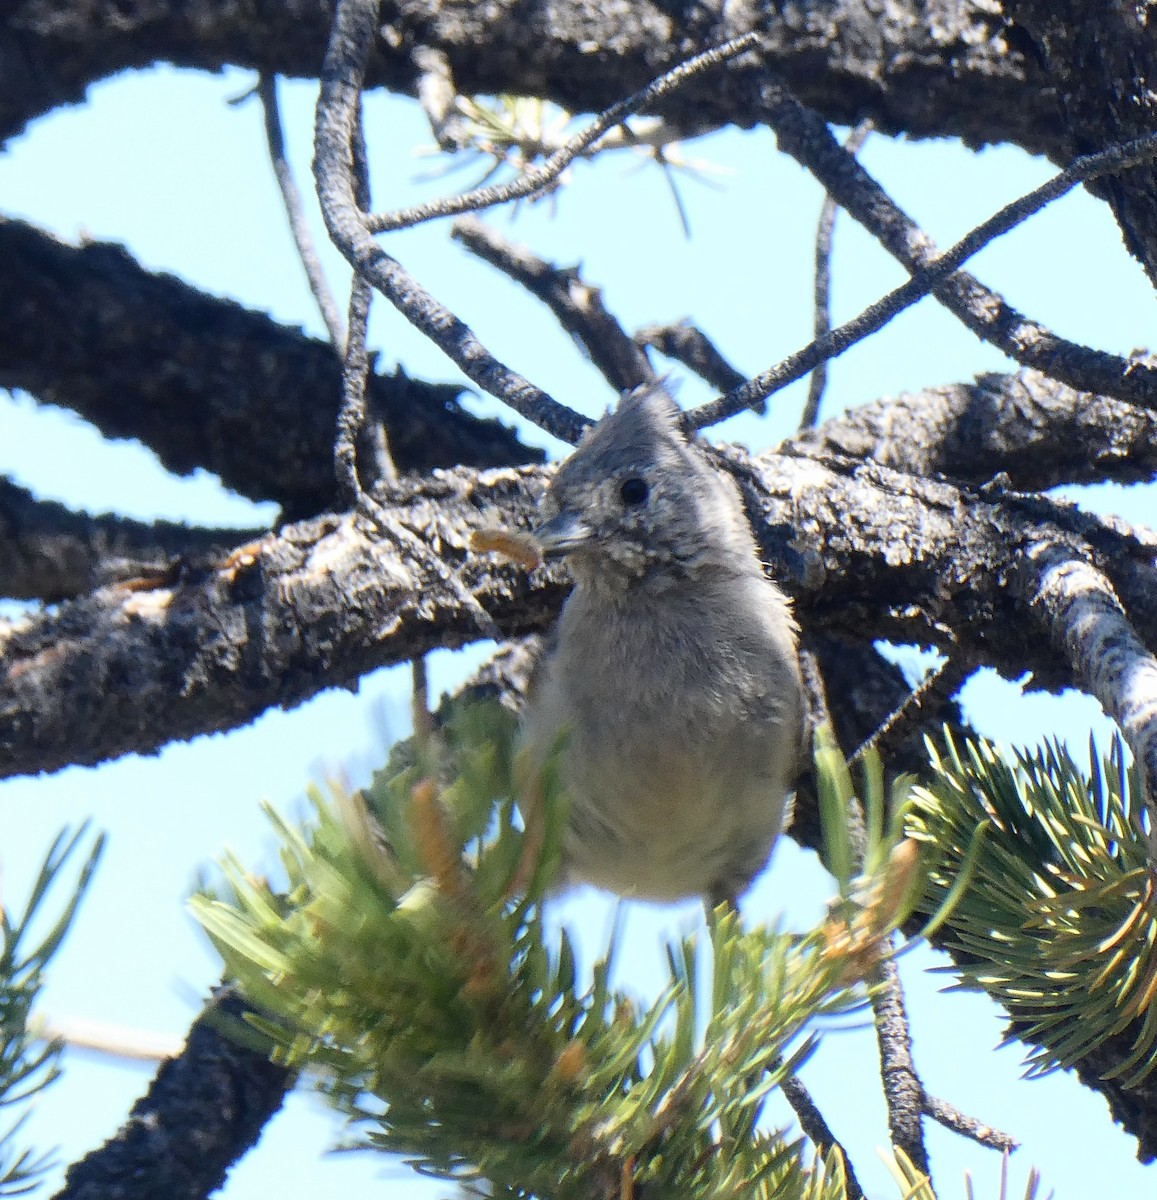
1077	607
324	601
804	135
294	214
577	306
1099	58
1036	431
822	286
936	273
961	75
343	76
50	553
204	382
692	347
903	1089
216	1088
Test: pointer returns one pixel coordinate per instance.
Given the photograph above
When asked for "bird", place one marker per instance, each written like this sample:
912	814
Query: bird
670	687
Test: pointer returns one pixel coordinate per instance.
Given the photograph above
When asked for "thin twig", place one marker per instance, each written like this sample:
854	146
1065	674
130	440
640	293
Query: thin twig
822	321
291	198
937	686
905	1096
356	475
352	413
423	718
812	1122
930	277
343	72
578	307
115	1041
695	350
804	135
903	1091
952	1118
534	179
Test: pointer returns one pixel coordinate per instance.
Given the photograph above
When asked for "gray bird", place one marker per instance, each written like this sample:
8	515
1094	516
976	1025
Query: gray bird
672	682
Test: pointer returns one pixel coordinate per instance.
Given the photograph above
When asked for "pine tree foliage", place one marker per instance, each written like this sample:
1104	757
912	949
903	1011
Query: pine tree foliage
28	1064
1059	923
404	959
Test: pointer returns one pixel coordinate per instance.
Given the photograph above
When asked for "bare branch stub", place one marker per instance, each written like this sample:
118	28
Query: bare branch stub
577	305
952	1118
694	349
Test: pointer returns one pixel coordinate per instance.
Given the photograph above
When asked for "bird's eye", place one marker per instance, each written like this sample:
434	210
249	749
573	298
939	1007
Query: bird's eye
634	491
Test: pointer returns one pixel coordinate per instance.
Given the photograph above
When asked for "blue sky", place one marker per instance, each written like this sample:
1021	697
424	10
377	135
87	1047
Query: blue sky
161	162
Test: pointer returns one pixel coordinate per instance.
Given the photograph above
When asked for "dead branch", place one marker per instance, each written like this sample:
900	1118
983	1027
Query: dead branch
204	382
578	306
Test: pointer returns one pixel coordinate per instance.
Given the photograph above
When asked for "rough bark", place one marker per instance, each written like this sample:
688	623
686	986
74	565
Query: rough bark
927	70
1037	432
49	553
203	1110
1102	61
324	601
204	382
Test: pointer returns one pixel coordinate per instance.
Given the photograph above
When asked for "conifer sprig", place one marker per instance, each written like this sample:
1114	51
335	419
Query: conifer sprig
1059	924
397	960
28	1063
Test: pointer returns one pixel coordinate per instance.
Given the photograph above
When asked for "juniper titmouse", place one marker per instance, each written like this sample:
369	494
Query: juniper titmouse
672	683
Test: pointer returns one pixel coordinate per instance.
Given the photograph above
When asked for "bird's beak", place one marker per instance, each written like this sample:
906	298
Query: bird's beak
562	535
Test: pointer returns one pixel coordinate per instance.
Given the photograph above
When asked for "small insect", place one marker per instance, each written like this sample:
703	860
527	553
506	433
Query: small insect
513	544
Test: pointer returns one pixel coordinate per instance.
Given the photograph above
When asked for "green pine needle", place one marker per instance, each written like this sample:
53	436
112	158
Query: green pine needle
27	1063
1060	919
397	962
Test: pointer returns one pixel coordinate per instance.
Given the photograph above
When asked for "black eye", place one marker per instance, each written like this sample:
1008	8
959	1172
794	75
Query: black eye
634	491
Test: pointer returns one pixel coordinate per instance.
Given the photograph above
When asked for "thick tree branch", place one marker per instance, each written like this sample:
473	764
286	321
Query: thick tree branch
50	553
1038	432
861	547
958	75
203	1110
204	382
